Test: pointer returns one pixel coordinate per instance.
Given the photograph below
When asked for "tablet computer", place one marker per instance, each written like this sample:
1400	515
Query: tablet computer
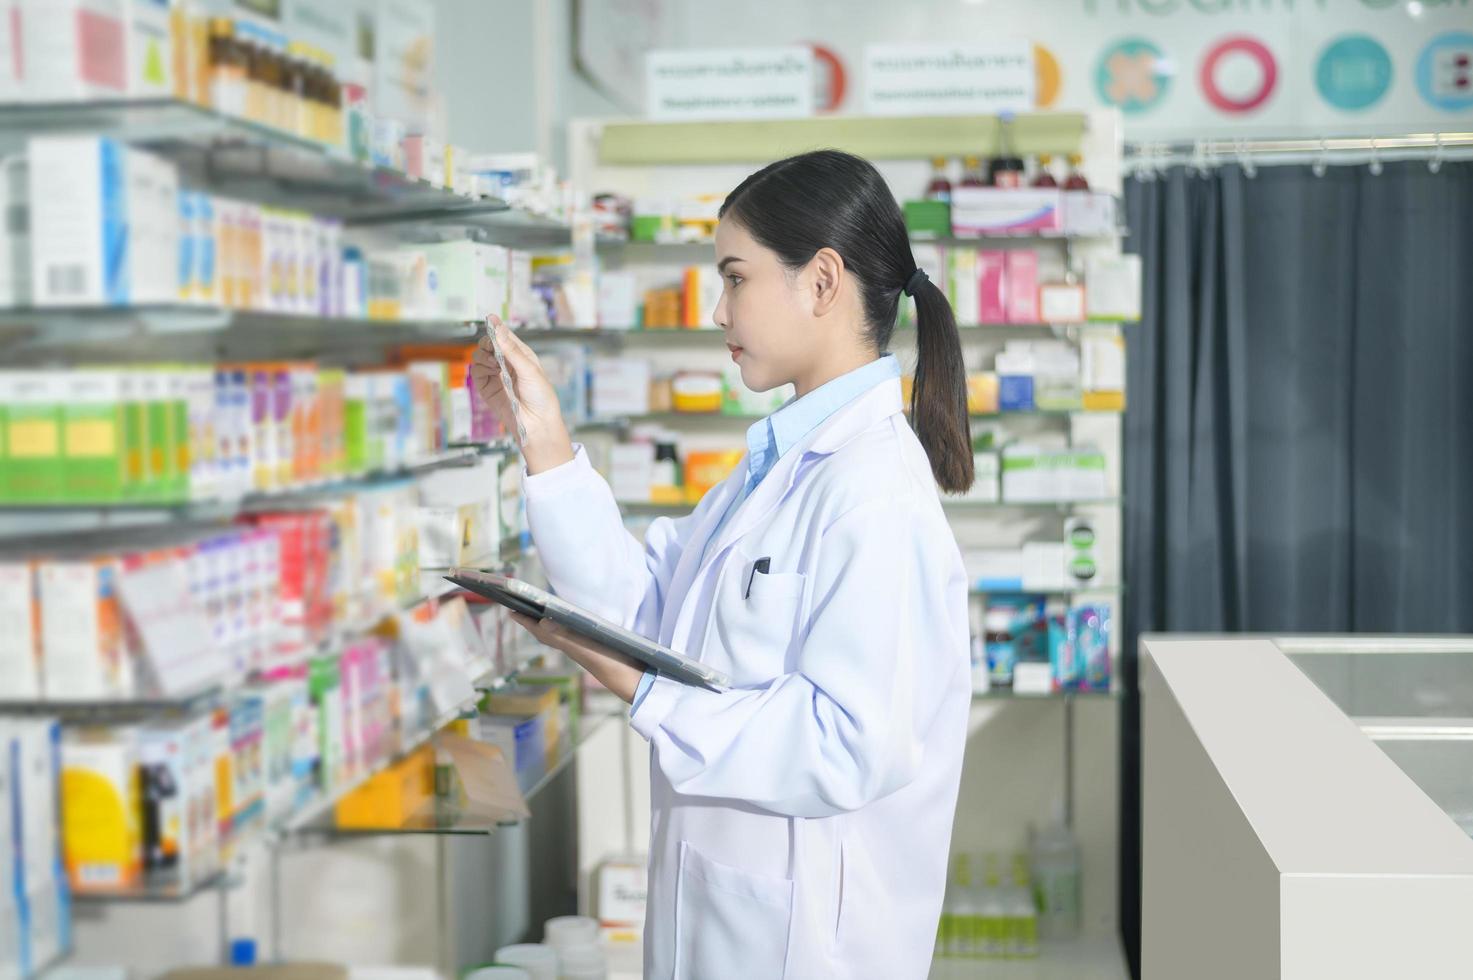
529	600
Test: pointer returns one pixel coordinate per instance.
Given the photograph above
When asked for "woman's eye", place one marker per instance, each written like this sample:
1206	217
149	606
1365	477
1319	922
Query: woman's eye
734	279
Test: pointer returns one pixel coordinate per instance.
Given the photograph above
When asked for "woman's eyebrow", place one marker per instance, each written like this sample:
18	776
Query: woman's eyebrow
728	260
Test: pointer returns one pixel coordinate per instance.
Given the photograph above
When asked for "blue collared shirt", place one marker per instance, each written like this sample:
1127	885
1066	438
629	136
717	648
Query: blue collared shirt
770	439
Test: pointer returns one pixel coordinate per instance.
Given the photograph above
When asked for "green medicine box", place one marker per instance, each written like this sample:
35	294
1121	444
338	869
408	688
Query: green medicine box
32	473
928	219
94	469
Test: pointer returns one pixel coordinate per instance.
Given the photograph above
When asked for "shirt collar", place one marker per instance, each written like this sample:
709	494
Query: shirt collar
770	439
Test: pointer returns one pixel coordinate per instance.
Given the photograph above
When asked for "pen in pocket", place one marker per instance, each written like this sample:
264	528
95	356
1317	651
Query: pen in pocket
760	566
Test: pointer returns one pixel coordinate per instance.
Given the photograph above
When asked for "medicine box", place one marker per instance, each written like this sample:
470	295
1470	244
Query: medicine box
993	286
539	701
469	280
102	839
995	210
620	386
81	248
20	647
1022	288
391	797
81	638
15	243
31	403
72	49
93	466
521	742
964	286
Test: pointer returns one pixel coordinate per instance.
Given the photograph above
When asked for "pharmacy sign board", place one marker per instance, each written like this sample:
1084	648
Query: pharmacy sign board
729	83
948	79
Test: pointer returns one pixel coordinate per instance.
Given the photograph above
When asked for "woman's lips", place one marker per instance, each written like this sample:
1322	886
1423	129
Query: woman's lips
736	351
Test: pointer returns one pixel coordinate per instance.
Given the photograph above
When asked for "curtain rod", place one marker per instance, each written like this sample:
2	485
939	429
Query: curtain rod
1412	141
1204	153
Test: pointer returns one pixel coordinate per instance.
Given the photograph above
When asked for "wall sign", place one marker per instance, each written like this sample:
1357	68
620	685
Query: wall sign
1239	74
948	79
729	83
1133	75
1353	73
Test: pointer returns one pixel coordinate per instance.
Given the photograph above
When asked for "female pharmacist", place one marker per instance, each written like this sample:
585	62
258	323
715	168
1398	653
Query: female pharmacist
802	819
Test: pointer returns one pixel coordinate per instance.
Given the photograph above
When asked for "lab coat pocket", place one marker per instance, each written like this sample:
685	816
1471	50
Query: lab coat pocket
756	618
728	922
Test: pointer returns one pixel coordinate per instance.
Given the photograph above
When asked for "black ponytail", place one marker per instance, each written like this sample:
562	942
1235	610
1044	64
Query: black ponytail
829	199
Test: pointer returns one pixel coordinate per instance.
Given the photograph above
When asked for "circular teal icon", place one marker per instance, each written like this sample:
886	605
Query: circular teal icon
1354	72
1445	71
1133	75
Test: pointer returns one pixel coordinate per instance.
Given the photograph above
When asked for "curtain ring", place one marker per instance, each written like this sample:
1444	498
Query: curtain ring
1435	164
1321	162
1245	159
1375	167
1199	157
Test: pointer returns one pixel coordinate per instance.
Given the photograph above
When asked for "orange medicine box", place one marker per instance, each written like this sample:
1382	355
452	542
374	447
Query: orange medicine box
391	797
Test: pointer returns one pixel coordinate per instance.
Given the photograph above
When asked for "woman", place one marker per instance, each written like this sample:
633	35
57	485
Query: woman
802	819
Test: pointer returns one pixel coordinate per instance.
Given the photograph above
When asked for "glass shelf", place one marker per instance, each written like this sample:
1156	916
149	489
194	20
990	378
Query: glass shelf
1085	958
697	336
156	893
641	509
717	419
247	159
661	249
1008	694
443	819
1112	590
115	709
215	510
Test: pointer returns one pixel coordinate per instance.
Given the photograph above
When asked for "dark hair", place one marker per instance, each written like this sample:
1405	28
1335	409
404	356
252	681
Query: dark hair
829	199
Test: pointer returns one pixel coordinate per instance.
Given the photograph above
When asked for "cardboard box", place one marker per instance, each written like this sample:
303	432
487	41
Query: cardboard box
33	471
620	386
94	467
15	243
1022	286
992	285
82	650
1002	211
964	286
391	797
20	642
73	49
102	839
81	243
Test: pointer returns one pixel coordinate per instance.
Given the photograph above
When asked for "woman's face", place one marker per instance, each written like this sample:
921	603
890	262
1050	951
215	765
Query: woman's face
765	311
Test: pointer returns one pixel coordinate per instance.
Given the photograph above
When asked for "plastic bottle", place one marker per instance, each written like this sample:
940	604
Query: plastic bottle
1056	881
1045	176
1075	181
1022	915
972	173
962	939
1007	166
939	189
994	942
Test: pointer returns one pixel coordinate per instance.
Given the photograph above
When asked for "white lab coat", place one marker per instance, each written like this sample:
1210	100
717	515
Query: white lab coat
802	820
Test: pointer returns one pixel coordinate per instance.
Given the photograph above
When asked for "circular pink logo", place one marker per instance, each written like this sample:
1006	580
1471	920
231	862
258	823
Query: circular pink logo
1257	91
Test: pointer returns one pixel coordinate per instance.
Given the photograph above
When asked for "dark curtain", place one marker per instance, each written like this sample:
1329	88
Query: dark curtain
1299	433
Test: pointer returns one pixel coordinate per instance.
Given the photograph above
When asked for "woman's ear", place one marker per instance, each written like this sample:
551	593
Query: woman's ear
827	271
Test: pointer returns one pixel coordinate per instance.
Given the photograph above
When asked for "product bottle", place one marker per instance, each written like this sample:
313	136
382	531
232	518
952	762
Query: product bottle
1075	181
1022	915
994	942
939	189
227	68
1044	177
1056	881
962	942
1002	653
972	173
946	928
1007	166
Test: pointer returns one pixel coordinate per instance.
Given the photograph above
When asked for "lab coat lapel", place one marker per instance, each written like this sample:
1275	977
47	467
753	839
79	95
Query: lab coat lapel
880	402
692	557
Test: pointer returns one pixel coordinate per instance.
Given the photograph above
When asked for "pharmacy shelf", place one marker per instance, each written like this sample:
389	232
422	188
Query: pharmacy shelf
1079	959
447	820
91	517
153	893
632	144
113	710
146	331
691	252
639	509
710	337
306	819
1008	694
247	159
719	419
1111	590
